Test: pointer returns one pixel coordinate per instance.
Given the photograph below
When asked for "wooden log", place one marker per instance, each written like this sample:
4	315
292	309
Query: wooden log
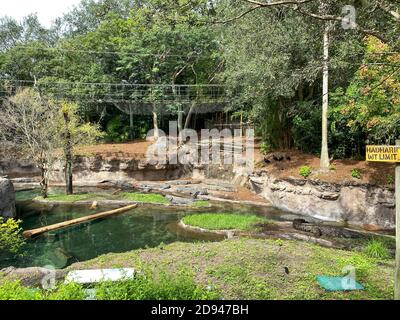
65	224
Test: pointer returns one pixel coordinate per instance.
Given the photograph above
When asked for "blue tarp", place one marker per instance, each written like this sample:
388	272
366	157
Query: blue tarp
338	283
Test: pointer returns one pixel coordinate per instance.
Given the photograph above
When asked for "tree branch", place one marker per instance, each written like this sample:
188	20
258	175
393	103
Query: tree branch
279	3
337	18
387	9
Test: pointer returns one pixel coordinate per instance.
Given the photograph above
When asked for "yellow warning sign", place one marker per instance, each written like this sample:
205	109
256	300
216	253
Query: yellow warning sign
383	153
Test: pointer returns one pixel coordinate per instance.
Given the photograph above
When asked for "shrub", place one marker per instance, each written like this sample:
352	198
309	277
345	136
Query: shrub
377	249
116	130
68	291
142	287
11	239
355	173
14	290
265	148
390	179
305	171
164	287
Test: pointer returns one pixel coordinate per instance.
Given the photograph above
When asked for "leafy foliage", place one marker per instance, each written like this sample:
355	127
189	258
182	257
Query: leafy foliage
11	239
144	286
355	173
305	171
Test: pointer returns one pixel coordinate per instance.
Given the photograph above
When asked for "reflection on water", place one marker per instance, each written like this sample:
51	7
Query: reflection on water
144	226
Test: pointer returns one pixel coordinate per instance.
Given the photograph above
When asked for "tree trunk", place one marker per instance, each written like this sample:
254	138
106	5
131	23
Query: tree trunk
180	118
155	124
131	123
324	162
68	156
189	116
44	184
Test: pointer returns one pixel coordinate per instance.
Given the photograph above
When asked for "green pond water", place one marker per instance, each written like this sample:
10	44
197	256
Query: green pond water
144	226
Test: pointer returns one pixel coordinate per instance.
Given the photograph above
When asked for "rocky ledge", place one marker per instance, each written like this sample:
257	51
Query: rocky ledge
7	199
368	206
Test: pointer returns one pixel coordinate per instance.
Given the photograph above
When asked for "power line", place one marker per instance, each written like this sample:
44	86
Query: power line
111	84
107	52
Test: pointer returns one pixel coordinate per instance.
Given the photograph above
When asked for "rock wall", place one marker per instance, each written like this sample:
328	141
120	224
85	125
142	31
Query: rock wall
363	205
97	168
7	199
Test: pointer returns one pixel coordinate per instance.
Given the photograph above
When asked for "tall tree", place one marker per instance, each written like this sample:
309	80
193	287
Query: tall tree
318	11
73	133
28	121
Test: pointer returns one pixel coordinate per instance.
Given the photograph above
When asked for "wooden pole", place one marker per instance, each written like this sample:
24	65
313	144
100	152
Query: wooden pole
397	195
65	224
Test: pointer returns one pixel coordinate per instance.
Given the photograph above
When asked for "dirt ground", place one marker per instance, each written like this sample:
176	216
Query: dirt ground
135	149
341	170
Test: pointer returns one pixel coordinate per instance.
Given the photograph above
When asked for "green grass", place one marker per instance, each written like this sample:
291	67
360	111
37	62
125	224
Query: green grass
200	203
144	286
145	197
128	196
221	221
72	198
254	268
377	249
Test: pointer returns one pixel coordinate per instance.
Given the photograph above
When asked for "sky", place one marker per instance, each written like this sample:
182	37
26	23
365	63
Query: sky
47	10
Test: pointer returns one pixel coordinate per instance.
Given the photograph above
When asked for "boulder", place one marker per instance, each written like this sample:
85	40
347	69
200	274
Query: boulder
179	200
33	276
7	199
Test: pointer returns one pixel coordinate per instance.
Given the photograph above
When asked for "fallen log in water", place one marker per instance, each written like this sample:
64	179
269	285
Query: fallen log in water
35	232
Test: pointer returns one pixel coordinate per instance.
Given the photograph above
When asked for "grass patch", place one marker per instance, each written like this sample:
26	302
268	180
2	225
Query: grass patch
247	268
377	249
221	221
72	197
128	196
144	286
200	203
145	197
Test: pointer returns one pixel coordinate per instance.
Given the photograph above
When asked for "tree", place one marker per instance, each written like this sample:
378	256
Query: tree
29	121
74	133
369	108
323	11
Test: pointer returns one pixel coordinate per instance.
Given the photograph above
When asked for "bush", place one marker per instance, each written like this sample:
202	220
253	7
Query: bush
305	171
390	179
16	291
142	287
116	130
265	148
377	249
11	239
147	287
355	173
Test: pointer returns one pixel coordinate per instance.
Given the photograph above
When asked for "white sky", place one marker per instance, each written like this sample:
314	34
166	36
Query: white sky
47	10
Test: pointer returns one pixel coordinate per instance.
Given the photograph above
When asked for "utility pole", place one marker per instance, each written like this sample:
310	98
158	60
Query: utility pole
397	195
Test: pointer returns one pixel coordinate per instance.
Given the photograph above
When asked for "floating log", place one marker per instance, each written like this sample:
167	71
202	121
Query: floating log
65	224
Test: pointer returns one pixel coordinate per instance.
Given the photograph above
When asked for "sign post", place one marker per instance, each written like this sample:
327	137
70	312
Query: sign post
397	194
391	154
